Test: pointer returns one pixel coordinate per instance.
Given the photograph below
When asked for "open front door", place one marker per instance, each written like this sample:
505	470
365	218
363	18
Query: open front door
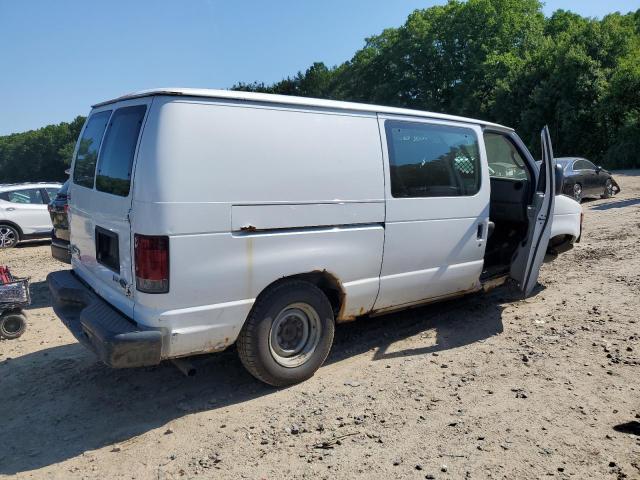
526	266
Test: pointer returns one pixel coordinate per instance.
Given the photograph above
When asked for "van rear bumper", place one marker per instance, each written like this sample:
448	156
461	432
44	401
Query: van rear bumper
113	337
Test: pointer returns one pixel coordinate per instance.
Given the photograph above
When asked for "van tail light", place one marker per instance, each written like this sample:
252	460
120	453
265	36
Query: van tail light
152	263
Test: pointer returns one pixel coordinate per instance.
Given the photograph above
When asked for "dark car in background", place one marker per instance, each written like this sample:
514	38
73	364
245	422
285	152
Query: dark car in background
582	179
58	208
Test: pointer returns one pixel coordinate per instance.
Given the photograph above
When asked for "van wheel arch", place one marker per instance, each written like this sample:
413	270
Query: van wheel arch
324	280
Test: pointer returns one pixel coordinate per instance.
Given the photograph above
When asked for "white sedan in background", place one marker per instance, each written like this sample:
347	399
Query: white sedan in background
23	211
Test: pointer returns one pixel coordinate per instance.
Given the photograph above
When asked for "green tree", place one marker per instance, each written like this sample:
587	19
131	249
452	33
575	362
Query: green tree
316	81
39	155
500	60
503	61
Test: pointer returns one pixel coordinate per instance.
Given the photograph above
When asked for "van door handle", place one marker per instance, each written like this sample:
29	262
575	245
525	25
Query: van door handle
10	209
490	228
480	231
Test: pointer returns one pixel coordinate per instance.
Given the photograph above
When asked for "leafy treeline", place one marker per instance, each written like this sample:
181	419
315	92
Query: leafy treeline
503	61
38	155
500	60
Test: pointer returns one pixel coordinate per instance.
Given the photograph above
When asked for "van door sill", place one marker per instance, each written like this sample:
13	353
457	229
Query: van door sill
493	282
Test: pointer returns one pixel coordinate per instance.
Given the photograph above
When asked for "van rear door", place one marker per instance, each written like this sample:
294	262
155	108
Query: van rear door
101	198
526	266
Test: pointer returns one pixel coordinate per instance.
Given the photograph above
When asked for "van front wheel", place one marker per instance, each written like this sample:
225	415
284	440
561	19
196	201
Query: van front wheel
288	334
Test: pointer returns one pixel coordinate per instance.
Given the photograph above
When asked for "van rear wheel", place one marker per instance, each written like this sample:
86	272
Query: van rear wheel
288	334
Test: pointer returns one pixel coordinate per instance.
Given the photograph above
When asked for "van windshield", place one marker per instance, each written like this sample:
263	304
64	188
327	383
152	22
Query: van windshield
116	156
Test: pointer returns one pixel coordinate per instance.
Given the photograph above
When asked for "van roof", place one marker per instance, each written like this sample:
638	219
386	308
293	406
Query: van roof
295	101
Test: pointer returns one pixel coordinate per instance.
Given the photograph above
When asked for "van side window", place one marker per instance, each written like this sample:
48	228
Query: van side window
429	160
85	163
116	157
503	158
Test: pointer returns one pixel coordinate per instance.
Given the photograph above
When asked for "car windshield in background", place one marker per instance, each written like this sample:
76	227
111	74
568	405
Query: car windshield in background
116	158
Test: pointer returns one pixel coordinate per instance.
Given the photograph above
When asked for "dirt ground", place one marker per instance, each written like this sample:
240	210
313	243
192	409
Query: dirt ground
489	386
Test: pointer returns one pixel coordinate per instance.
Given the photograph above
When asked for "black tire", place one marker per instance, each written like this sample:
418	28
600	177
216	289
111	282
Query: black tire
577	192
12	325
9	236
608	189
254	343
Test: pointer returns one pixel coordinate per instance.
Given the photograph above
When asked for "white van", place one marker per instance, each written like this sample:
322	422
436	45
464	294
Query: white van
204	218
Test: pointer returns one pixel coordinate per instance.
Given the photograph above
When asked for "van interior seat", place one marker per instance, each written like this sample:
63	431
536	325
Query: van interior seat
508	200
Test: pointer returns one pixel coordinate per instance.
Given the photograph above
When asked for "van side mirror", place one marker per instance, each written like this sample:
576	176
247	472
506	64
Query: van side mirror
598	169
559	174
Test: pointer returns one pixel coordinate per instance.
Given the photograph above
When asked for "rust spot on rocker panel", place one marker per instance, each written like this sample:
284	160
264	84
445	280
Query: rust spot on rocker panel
422	303
212	347
342	298
342	318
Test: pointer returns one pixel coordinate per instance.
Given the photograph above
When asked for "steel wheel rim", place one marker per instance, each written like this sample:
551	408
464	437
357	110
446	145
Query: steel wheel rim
608	186
577	191
7	237
294	335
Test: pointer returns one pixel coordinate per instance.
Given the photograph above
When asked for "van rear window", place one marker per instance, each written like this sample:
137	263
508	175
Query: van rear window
431	160
116	156
85	165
